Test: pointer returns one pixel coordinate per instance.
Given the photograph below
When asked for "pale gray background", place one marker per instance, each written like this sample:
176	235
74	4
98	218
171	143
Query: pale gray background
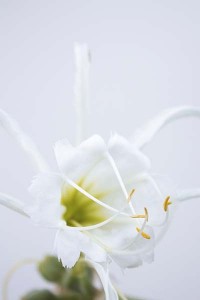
145	59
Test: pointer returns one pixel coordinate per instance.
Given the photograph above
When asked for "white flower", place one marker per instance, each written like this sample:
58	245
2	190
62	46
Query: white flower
89	204
103	201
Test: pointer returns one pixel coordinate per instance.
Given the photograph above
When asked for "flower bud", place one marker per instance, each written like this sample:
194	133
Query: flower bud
51	269
39	295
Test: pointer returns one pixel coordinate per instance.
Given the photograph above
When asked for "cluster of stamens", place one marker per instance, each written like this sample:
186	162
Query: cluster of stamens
145	216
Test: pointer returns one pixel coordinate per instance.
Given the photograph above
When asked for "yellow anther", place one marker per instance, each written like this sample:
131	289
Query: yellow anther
138	216
131	195
146	214
144	234
142	216
166	203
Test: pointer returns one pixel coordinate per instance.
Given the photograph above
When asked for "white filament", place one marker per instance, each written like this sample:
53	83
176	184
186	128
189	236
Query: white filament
95	226
121	183
88	195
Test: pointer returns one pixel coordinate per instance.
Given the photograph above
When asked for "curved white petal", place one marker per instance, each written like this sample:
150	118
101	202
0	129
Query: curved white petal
67	247
127	163
81	89
150	194
86	168
123	244
92	250
187	194
129	160
163	230
69	244
129	259
134	251
11	126
145	134
102	271
126	259
45	208
88	164
75	162
12	203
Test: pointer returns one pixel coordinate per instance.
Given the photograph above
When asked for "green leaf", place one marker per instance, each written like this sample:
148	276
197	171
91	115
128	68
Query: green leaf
51	269
80	280
39	295
70	296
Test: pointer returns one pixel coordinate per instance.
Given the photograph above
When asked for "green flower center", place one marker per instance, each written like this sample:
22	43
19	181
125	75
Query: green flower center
79	209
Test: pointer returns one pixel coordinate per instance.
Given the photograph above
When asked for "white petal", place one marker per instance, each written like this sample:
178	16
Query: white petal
45	207
150	192
145	134
138	252
12	203
128	159
81	89
23	140
123	244
67	247
102	177
126	260
75	162
93	251
110	292
187	194
89	165
118	233
69	244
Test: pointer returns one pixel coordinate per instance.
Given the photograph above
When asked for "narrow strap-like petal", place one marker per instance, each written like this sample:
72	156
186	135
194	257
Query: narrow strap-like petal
23	140
12	203
145	134
81	89
187	194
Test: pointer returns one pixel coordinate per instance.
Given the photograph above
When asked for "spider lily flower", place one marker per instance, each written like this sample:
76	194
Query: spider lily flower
103	201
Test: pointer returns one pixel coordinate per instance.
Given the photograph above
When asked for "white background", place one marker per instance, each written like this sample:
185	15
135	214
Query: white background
145	58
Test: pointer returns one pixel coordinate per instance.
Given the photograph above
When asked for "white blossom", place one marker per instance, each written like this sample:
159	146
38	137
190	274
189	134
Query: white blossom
103	201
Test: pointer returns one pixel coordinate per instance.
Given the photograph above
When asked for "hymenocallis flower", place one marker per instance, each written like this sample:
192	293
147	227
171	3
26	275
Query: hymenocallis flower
103	201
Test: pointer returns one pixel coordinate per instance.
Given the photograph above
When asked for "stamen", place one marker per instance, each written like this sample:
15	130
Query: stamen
138	216
90	227
146	214
81	190
166	203
119	178
144	234
142	216
140	230
131	195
